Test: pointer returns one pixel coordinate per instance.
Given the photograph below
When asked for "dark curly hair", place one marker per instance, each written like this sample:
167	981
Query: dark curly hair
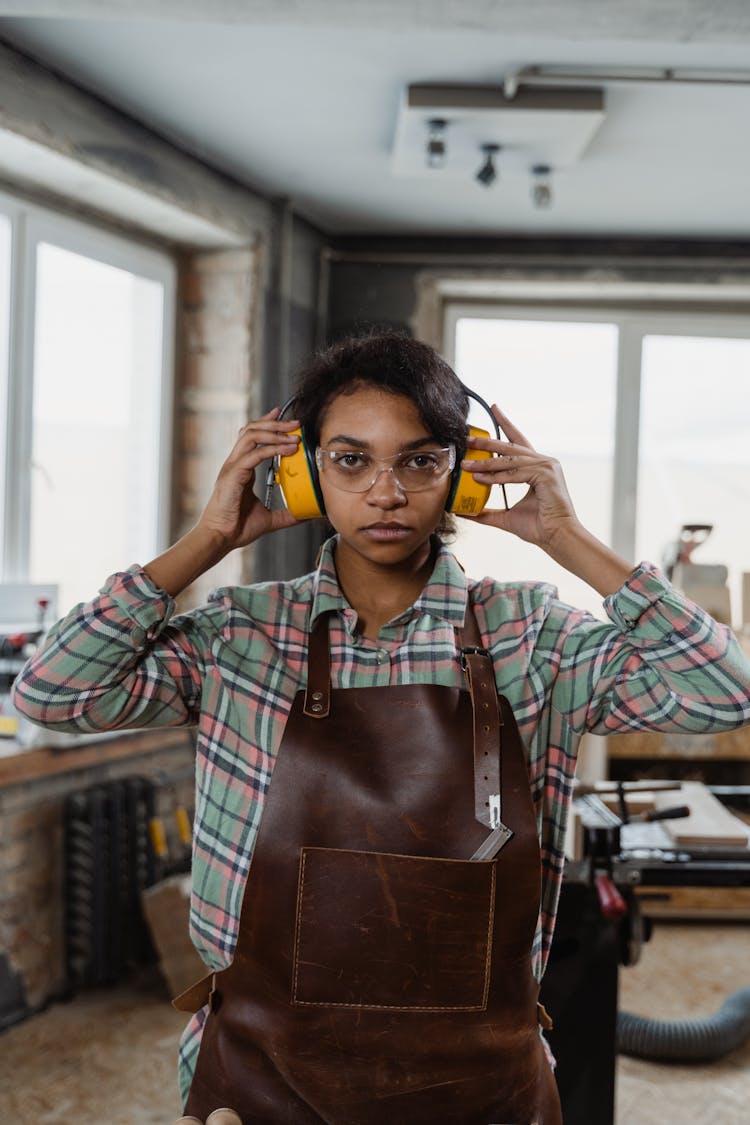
392	362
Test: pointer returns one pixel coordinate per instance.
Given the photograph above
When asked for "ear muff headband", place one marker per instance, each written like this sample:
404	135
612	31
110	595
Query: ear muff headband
298	477
466	496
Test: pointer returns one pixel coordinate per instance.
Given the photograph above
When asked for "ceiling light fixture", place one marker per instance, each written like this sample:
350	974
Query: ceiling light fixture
436	130
441	129
487	173
541	186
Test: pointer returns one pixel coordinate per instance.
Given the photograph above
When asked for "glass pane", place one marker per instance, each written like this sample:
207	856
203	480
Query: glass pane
96	421
694	454
5	275
556	380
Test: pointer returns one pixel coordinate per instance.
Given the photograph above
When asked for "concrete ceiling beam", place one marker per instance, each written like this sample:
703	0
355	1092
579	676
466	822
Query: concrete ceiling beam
55	137
684	21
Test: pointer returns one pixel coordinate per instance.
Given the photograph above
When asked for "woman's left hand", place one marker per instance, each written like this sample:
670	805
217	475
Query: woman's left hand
546	510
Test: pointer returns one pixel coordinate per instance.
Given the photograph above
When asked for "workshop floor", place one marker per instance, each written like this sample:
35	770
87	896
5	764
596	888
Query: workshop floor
109	1058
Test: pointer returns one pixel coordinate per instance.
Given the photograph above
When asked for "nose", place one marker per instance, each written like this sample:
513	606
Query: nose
385	491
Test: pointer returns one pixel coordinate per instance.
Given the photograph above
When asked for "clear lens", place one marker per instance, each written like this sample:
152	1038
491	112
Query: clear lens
354	471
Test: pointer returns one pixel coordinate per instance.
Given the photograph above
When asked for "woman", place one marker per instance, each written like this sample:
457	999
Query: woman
384	957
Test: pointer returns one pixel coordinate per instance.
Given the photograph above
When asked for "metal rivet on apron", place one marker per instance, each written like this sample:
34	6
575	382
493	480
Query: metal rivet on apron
317	707
485	706
317	695
486	729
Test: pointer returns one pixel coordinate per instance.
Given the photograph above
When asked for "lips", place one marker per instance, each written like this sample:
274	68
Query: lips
386	531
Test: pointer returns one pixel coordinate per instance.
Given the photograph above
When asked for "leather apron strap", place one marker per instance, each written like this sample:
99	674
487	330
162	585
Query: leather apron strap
318	693
476	663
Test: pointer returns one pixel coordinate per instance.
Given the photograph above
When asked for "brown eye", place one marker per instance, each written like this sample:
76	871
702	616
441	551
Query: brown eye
349	460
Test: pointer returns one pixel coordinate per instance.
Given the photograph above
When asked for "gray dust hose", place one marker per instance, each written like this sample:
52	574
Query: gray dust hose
696	1040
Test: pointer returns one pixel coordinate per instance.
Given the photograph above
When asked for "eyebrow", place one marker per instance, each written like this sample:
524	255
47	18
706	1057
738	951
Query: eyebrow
359	443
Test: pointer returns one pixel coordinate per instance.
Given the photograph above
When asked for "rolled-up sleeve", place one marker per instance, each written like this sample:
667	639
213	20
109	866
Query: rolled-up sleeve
662	663
115	662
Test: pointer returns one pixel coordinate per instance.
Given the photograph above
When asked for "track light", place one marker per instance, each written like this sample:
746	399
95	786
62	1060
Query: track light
436	127
487	174
541	186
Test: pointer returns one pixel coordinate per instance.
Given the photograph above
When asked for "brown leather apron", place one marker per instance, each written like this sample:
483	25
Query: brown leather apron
380	974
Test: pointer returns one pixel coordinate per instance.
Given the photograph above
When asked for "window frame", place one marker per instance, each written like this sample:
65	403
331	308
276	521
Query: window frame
599	304
31	225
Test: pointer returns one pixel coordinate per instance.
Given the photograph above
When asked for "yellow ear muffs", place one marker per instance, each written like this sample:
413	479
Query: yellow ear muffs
297	477
467	497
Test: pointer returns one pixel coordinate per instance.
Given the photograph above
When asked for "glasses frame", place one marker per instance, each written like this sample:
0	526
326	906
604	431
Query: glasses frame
320	461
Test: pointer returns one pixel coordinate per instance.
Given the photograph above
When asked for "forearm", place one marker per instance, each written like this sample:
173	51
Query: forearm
110	663
589	559
663	663
189	558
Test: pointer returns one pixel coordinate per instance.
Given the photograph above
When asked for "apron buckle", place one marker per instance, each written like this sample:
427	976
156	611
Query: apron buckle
471	650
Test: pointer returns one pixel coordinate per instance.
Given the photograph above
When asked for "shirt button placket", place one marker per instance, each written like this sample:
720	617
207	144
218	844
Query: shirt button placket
383	663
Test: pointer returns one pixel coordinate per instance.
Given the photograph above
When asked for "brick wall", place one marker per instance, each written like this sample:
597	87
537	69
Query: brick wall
218	323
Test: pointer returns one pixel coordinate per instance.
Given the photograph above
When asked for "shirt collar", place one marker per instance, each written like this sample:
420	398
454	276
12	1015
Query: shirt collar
444	597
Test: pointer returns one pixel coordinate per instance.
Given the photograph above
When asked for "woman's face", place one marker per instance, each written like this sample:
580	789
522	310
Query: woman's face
385	524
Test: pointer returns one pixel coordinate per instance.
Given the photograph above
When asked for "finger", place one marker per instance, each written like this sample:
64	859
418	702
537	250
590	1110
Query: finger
504	463
509	429
501	447
243	461
509	475
487	515
269	423
494	517
267	437
267	440
273	413
281	518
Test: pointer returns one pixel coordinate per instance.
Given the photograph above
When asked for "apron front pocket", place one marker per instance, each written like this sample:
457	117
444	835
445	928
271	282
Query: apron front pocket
400	932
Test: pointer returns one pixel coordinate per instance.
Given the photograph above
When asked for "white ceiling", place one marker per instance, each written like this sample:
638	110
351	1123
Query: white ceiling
299	98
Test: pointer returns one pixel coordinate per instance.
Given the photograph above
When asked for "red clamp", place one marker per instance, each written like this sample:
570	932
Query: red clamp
611	902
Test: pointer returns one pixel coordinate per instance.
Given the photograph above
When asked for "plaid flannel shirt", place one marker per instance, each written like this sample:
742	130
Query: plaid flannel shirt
232	669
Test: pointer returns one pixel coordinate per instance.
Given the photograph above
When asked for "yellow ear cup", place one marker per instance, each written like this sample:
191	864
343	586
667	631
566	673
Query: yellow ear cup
294	478
470	497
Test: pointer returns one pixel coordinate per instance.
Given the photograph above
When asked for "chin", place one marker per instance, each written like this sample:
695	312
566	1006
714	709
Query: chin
391	551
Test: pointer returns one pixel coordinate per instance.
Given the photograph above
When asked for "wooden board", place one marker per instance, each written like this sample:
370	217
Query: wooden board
694	902
731	745
709	822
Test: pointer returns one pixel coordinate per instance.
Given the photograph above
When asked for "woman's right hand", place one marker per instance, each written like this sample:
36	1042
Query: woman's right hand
234	514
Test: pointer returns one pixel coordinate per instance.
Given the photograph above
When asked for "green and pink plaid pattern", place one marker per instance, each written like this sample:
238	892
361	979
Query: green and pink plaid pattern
232	669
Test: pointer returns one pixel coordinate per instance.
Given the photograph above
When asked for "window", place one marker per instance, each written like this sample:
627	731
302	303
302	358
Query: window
649	415
556	381
5	276
87	401
694	450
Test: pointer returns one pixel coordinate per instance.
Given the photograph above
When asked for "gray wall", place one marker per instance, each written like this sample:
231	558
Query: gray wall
378	281
295	326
